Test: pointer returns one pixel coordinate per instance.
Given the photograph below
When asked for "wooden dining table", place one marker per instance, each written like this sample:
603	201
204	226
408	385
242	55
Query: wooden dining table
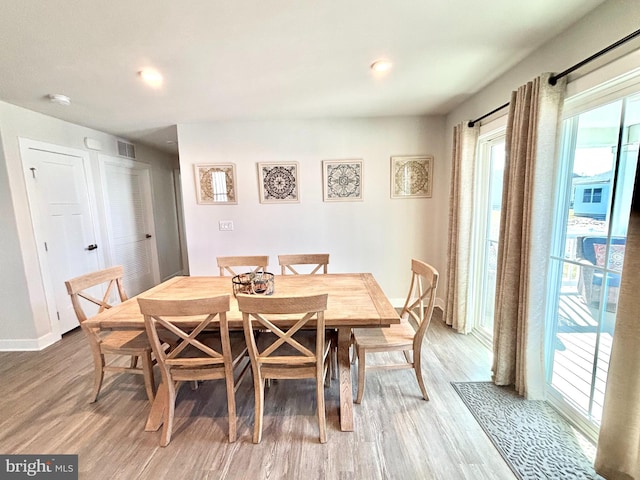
354	300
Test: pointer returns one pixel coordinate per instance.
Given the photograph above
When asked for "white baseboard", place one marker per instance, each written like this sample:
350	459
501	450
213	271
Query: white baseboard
28	344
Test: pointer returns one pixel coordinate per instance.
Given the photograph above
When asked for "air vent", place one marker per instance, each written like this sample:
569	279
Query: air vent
126	149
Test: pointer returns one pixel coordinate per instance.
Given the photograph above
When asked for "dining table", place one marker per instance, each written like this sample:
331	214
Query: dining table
355	300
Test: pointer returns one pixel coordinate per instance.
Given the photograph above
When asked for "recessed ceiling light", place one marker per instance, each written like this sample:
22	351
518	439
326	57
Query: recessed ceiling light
151	77
381	65
59	99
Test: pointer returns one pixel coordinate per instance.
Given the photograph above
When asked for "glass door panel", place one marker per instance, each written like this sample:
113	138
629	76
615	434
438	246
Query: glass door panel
486	228
599	158
494	204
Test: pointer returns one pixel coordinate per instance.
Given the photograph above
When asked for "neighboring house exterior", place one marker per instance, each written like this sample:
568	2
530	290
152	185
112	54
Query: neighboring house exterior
591	195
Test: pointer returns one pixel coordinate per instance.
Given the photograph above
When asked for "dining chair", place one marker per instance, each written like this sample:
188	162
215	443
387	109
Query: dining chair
279	352
317	261
255	263
404	337
127	343
196	356
311	264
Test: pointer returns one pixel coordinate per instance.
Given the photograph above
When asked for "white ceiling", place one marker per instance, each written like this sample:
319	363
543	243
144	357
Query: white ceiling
261	59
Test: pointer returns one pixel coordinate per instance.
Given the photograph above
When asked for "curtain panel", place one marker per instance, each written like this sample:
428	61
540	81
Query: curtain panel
525	236
461	192
618	454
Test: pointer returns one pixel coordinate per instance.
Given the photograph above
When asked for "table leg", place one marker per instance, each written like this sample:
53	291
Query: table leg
154	420
346	387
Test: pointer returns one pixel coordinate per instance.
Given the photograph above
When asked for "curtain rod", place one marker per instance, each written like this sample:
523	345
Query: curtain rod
553	79
473	122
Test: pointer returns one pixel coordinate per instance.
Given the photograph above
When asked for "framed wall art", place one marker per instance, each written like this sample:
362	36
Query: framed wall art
342	180
411	176
278	182
216	184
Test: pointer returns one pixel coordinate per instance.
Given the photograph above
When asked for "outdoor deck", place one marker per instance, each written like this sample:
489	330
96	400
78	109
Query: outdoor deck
578	337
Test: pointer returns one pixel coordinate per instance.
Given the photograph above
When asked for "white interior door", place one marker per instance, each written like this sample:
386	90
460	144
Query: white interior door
128	206
63	224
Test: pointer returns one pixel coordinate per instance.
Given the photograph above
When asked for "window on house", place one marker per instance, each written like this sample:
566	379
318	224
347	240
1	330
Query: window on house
586	196
597	195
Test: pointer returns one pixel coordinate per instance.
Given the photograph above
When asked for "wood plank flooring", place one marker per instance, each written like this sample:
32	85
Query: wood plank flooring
44	409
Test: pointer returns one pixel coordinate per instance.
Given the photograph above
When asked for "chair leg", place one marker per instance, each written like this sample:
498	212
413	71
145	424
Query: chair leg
98	377
418	369
322	420
169	410
231	404
242	373
147	369
258	387
334	355
354	353
407	357
361	372
134	361
328	367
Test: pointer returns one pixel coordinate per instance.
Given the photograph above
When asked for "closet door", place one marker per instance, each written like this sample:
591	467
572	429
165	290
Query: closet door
130	227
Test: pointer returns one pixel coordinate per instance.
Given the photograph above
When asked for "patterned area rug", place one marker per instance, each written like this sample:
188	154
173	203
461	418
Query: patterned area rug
534	439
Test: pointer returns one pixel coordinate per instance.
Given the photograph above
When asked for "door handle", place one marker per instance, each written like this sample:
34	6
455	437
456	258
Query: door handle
93	246
148	235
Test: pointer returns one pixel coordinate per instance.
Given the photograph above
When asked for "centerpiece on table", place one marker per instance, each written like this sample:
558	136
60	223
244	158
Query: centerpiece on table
254	283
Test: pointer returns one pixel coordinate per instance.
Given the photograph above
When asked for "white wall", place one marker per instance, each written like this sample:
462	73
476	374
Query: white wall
24	320
600	28
15	305
378	235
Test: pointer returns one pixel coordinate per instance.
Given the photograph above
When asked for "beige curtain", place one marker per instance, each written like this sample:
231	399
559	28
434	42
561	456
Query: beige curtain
618	455
525	236
465	139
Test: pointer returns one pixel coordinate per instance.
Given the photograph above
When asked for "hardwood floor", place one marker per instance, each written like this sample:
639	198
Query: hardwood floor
44	409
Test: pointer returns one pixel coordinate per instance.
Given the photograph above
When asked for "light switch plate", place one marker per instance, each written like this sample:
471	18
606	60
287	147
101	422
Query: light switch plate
225	225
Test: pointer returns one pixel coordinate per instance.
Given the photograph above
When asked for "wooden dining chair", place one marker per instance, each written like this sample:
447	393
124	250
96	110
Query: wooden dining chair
128	343
285	352
404	337
255	263
313	262
196	356
310	264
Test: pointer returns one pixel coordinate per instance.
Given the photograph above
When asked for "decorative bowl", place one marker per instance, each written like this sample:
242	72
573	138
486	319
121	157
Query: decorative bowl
254	283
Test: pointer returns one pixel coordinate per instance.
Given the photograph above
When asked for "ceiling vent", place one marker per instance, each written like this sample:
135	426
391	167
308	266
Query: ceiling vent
126	149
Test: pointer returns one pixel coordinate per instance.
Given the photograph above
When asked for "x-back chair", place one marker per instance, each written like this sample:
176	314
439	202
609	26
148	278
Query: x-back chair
133	344
402	337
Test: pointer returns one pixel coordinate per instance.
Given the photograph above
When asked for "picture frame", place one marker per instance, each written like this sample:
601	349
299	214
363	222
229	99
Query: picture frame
216	184
411	176
278	182
342	180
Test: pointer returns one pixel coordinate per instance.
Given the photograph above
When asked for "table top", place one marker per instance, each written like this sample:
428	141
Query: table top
355	299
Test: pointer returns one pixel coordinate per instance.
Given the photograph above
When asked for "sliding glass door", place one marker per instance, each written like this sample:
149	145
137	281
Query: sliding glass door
599	157
489	174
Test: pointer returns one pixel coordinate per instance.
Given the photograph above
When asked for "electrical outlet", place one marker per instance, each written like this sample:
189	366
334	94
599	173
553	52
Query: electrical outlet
225	225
